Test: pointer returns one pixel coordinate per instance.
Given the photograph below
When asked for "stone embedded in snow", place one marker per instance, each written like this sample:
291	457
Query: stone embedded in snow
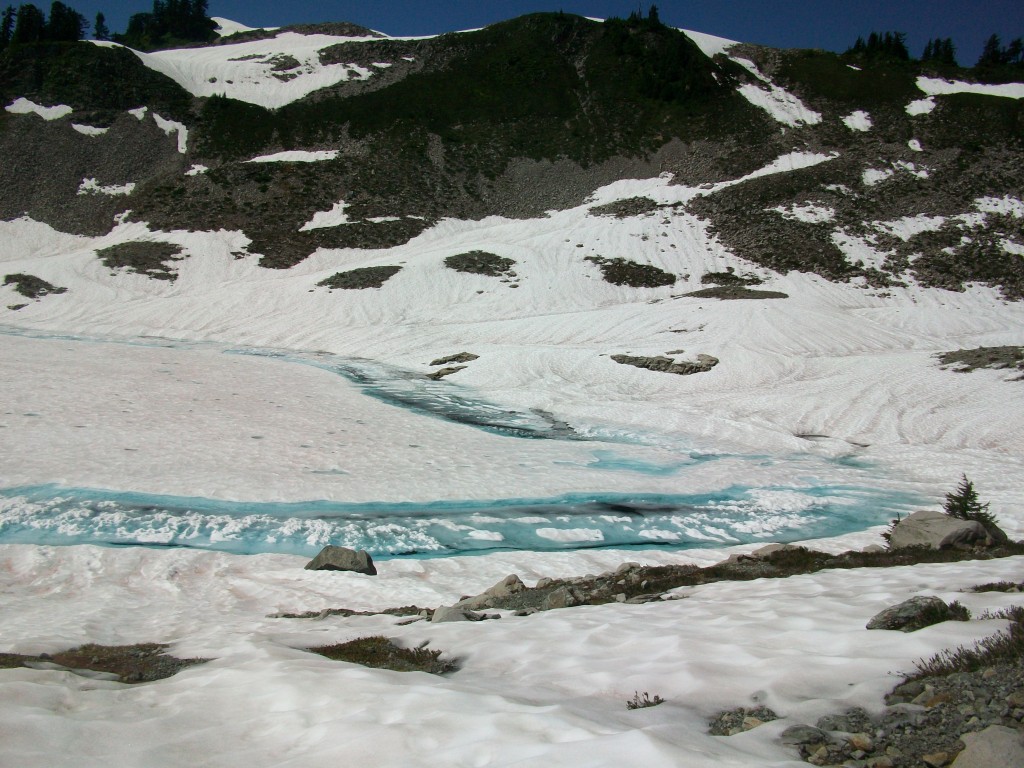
448	613
995	747
333	558
937	530
911	614
802	735
703	364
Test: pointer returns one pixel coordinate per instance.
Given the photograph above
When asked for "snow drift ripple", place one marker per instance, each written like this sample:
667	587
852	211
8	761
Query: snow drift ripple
53	515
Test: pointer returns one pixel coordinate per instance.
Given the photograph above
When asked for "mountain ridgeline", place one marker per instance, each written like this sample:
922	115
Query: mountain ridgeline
522	117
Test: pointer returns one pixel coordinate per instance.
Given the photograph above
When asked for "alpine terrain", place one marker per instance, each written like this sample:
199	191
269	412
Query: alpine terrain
550	298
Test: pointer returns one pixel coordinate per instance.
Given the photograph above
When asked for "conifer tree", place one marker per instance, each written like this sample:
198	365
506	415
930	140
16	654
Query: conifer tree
29	25
963	504
99	29
6	26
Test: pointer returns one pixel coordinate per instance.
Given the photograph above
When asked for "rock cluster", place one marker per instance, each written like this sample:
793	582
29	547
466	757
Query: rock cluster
928	722
703	364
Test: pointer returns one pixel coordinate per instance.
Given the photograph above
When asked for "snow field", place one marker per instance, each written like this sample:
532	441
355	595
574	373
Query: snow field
548	689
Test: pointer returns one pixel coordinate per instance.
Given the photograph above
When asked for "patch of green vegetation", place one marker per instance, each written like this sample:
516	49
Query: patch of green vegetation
89	77
1004	647
822	75
363	277
480	263
32	287
379	652
141	663
999	358
620	271
143	258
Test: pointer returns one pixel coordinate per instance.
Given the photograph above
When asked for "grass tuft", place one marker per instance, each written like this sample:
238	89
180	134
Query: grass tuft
1003	647
642	702
379	652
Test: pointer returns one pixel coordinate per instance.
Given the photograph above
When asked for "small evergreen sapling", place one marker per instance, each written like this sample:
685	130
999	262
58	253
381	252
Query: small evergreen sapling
963	504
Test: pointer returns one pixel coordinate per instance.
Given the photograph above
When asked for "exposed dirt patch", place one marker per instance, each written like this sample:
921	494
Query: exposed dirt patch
364	277
624	272
734	292
153	260
31	286
622	209
481	263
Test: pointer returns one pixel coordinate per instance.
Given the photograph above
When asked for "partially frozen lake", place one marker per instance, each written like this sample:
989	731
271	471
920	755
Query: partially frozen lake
164	443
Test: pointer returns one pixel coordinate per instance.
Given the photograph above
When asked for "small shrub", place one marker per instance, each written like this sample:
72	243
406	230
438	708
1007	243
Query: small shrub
379	652
998	586
963	504
642	702
1003	647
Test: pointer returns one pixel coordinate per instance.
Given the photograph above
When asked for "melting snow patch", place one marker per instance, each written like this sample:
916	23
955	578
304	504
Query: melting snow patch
913	170
809	213
709	45
1009	206
909	226
226	27
169	127
781	105
383	219
296	156
857	250
921	106
89	130
139	113
1011	247
196	169
323	219
873	176
858	121
382	64
934	86
915	145
93	187
856	69
23	106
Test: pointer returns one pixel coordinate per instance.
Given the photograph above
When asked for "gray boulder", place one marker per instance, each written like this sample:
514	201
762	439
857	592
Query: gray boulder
802	735
995	747
911	614
333	558
937	530
448	613
505	588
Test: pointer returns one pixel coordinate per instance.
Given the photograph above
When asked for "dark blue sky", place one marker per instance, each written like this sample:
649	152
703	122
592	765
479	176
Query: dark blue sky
828	24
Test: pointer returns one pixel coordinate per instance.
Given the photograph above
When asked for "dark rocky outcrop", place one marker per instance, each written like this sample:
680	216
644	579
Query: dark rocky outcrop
703	364
332	558
32	287
364	277
460	357
620	271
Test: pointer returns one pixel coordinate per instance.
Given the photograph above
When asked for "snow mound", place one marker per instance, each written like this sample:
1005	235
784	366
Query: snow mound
23	106
934	86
